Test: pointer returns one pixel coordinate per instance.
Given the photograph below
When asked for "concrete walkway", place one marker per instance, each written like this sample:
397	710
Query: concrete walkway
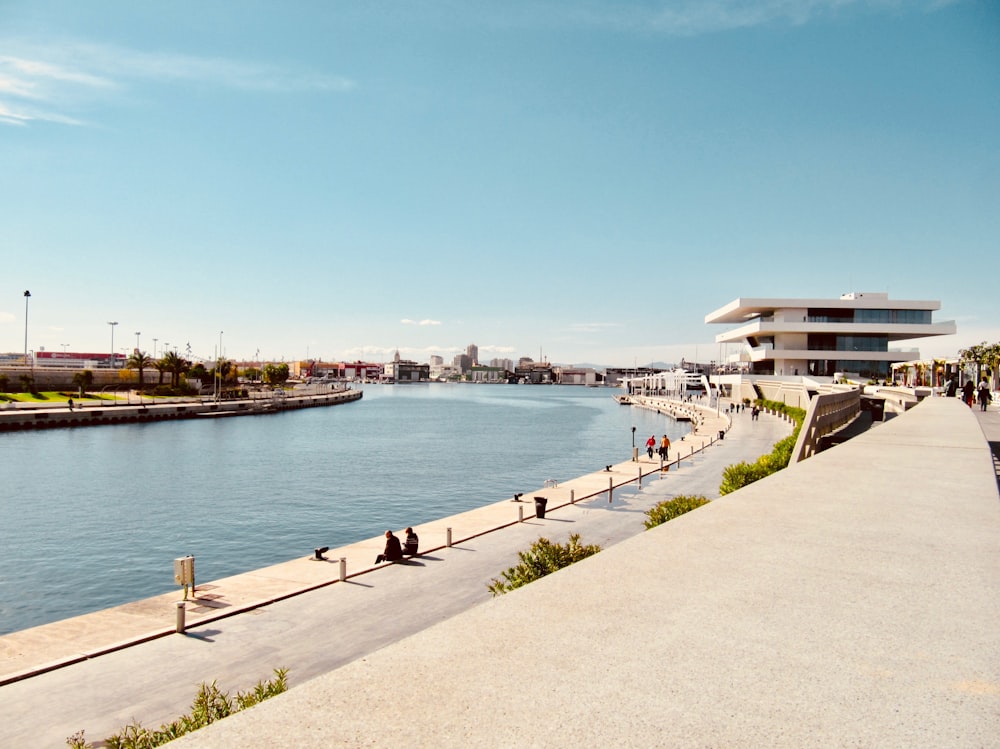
851	600
135	667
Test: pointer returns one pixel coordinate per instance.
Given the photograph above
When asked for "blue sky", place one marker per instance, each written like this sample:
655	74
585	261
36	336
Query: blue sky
582	181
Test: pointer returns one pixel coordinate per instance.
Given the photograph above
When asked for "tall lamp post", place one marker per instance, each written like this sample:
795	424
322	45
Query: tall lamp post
137	334
154	347
112	324
27	296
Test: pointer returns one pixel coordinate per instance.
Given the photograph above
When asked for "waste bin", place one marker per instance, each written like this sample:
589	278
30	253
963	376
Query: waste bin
540	507
722	434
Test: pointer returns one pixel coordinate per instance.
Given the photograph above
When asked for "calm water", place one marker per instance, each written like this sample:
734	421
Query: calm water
94	517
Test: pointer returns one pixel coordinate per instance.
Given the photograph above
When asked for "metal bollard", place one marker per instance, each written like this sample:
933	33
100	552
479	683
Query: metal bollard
343	569
448	537
180	617
520	514
611	488
640	477
572	496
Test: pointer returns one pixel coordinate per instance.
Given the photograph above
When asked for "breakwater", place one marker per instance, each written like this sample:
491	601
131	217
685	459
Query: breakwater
115	412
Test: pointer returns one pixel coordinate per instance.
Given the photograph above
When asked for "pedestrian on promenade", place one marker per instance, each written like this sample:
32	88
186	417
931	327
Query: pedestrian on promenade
69	403
664	447
393	551
410	543
968	389
650	445
984	394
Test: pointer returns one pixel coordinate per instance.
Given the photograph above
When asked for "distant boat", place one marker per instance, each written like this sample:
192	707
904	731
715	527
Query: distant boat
623	400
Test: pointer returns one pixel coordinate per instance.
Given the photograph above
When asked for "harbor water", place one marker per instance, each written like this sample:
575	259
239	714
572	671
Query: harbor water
94	517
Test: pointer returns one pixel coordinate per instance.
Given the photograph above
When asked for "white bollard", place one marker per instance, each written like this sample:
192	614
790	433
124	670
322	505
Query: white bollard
180	616
343	569
572	496
520	513
447	537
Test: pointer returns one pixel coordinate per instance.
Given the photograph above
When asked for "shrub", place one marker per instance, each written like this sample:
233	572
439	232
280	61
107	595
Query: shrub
542	558
672	508
210	704
738	475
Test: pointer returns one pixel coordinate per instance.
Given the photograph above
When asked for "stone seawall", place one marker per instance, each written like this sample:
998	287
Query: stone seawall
54	417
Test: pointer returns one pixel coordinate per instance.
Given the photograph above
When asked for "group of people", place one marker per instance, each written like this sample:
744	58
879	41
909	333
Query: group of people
394	550
663	449
982	393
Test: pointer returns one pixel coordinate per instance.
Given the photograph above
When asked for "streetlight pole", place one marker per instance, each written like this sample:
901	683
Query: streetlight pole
112	324
27	296
154	347
137	334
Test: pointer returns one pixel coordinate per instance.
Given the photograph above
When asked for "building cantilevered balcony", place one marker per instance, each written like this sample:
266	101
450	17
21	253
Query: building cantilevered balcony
820	337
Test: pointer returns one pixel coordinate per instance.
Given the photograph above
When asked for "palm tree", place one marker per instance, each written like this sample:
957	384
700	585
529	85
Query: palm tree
84	381
176	365
139	360
160	366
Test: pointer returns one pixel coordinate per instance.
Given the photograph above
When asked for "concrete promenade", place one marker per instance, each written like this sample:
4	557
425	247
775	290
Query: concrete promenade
851	600
135	666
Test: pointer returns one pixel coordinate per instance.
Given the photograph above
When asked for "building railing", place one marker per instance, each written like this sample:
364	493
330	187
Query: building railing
826	414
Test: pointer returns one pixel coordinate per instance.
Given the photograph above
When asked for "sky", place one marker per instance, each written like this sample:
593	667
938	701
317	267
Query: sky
579	182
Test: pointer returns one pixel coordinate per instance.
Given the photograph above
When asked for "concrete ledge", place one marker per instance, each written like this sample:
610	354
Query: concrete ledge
850	600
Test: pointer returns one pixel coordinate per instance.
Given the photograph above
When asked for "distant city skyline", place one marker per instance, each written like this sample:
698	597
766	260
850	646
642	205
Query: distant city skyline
580	182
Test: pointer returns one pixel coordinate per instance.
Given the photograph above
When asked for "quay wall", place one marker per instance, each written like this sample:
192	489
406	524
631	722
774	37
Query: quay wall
89	414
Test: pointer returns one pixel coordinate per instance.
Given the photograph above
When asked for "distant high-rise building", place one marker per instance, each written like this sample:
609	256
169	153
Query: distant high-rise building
437	361
472	351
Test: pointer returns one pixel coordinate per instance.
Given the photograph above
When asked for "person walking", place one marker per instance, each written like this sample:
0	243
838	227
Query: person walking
650	445
984	394
968	391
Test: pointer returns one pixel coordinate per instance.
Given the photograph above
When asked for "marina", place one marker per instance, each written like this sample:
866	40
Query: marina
94	517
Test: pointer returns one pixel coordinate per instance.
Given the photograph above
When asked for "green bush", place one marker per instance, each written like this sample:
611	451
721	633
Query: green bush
672	508
542	558
738	475
210	704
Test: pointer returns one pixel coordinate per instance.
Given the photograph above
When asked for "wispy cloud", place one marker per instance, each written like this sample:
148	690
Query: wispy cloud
694	17
49	83
407	321
593	327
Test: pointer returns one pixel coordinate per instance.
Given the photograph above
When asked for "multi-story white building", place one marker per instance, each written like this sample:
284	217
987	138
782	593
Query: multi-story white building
820	337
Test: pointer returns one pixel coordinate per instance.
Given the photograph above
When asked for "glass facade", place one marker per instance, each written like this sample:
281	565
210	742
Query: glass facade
877	316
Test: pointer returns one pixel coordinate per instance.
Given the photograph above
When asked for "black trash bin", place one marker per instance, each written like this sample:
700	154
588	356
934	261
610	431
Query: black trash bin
540	507
722	434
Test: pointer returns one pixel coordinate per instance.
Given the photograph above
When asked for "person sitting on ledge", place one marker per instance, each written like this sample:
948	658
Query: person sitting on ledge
393	551
411	543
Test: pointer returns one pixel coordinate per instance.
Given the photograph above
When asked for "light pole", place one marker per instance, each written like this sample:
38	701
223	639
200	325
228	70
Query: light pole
154	347
112	324
218	370
27	296
137	334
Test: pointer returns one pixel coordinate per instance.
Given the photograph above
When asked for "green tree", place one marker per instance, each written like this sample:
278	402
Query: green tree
160	366
276	374
83	381
139	360
177	365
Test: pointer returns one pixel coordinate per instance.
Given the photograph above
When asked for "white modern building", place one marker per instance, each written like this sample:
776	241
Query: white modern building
821	337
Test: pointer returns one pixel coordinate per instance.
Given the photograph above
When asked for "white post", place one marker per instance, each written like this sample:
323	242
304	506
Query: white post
448	537
180	616
343	569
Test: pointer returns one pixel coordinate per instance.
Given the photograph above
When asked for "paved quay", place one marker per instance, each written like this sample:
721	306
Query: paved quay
135	667
851	600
